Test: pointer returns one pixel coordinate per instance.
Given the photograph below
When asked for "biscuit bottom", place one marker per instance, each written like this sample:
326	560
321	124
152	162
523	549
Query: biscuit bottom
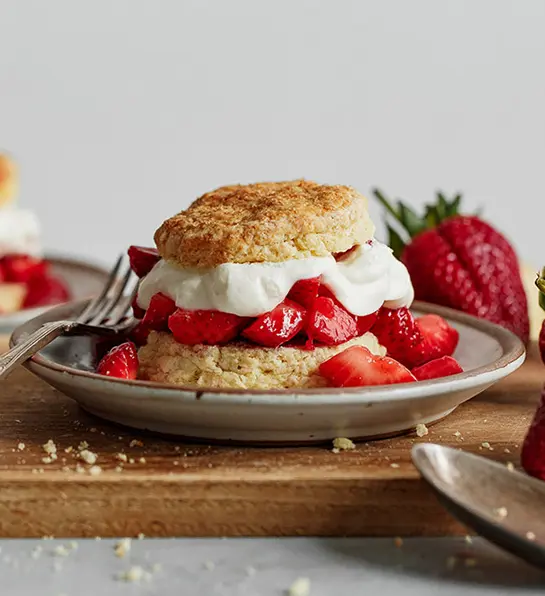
238	365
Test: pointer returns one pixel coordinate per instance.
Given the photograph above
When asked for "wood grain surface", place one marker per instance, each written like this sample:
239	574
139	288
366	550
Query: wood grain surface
168	488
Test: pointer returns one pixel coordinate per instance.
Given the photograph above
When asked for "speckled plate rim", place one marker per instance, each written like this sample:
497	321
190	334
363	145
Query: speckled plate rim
512	358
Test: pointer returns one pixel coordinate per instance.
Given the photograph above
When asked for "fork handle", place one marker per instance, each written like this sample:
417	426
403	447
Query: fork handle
32	344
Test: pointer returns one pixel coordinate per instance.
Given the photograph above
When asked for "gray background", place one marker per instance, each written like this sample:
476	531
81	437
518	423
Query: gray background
121	112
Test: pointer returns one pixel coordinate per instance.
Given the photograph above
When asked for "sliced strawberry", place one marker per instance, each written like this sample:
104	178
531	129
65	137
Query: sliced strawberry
438	339
23	268
120	362
305	291
278	326
43	291
330	324
397	331
533	448
143	259
365	323
159	310
210	327
139	334
357	366
138	312
435	369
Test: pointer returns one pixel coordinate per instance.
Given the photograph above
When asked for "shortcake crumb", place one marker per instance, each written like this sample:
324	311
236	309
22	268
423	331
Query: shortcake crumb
88	456
121	457
122	547
21	446
135	574
300	587
500	512
95	470
342	444
421	430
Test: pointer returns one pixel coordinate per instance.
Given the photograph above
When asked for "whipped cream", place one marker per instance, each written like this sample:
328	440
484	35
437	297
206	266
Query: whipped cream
19	232
369	277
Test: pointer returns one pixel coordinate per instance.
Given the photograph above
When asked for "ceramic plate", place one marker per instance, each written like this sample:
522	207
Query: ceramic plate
83	280
486	351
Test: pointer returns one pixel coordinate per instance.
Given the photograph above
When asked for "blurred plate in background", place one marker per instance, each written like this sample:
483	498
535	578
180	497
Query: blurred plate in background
83	280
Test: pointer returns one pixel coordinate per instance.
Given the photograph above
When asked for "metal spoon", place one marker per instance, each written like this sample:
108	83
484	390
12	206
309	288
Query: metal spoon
504	506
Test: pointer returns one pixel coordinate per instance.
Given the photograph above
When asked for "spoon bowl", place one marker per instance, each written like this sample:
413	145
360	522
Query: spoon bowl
504	506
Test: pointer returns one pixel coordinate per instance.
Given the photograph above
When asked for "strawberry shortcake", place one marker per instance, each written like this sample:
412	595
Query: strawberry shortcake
275	286
25	277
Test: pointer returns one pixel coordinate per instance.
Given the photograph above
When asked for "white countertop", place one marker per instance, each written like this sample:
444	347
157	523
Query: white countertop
264	567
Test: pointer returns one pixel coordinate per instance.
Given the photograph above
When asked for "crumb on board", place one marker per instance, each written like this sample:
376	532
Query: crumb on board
50	448
95	470
300	587
486	445
394	465
88	456
421	430
121	456
83	445
530	536
342	444
136	443
468	539
510	465
21	446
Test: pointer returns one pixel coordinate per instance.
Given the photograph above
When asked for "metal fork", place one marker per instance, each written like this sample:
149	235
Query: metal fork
104	315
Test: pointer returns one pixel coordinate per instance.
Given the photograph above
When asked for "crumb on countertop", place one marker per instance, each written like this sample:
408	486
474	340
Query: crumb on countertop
300	587
122	547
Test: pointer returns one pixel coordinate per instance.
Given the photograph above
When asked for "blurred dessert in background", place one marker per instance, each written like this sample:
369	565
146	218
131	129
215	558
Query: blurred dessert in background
25	277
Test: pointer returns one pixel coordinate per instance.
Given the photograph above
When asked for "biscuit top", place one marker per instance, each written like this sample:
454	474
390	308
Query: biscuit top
265	222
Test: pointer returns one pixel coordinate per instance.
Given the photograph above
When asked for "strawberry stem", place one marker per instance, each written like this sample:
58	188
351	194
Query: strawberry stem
540	283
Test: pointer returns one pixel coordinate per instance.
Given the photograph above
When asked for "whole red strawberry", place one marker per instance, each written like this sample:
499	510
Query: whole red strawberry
533	448
461	262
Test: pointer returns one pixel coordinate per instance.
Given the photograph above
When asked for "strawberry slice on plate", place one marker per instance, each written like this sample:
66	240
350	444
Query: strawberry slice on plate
209	327
398	332
120	362
358	367
435	369
438	339
329	323
278	326
143	259
159	310
305	291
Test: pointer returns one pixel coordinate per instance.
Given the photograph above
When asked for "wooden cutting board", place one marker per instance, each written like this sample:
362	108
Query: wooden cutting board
177	489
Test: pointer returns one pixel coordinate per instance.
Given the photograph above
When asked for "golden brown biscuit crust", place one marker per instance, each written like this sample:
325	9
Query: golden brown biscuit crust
265	222
238	365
